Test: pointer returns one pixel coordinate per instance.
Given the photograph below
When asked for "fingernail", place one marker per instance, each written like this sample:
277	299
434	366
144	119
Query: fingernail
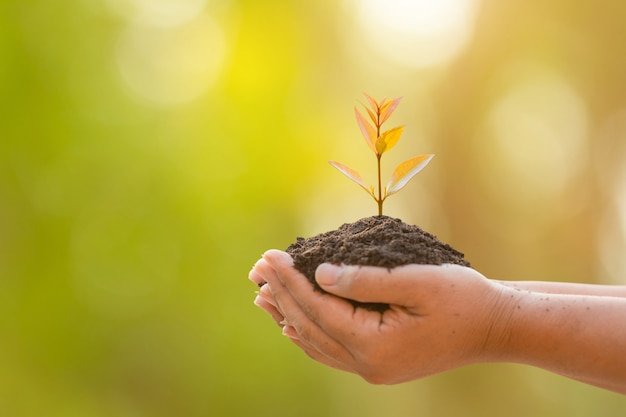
290	332
257	301
327	274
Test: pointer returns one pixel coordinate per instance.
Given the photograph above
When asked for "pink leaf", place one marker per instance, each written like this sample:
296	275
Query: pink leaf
352	174
373	103
368	131
388	108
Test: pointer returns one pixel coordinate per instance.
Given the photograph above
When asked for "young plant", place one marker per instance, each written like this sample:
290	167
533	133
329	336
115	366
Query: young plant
381	142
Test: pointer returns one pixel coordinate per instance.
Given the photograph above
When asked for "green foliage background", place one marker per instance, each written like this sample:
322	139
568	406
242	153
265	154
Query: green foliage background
133	204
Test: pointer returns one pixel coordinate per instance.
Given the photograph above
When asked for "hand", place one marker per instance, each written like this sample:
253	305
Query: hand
440	317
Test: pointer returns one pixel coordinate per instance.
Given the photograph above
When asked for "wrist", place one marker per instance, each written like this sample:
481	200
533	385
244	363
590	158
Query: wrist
501	325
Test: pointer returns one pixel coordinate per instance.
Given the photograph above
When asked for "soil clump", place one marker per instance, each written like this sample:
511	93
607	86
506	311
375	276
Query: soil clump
372	241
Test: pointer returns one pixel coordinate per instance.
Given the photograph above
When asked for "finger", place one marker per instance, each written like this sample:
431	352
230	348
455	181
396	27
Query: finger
314	354
259	272
265	293
255	277
299	288
267	273
266	301
297	310
337	317
403	285
269	308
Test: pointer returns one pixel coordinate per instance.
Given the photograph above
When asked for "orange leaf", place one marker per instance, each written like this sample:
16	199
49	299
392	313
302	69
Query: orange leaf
388	139
372	116
352	174
368	131
388	108
405	171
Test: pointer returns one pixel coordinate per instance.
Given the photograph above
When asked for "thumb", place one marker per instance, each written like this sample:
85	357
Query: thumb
371	284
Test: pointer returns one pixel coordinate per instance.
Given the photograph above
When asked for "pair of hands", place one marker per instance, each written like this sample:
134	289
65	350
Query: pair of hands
443	317
440	317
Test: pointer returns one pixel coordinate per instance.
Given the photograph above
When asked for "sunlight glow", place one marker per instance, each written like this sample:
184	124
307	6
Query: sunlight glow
416	33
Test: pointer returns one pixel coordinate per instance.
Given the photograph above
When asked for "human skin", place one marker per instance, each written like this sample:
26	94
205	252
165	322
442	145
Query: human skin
444	317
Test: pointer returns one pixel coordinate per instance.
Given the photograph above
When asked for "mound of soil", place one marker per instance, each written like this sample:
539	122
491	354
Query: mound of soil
372	241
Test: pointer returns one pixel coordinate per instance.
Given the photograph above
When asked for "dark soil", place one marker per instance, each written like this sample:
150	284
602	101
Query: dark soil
372	241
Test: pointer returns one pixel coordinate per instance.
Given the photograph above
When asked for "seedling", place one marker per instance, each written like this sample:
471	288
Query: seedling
380	143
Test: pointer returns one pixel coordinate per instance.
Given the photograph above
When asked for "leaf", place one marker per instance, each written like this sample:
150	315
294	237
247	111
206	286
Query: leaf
405	171
368	131
372	116
352	174
372	102
388	139
388	108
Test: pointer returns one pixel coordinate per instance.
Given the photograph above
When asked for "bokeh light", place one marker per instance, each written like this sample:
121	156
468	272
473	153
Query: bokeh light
160	13
170	52
538	130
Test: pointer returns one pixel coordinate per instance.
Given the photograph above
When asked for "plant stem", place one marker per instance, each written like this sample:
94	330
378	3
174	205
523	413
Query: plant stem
380	190
378	156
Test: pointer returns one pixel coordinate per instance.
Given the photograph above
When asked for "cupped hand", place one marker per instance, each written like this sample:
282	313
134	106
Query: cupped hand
440	317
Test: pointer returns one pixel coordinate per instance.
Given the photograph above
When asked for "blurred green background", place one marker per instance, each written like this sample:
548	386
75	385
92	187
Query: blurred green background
151	150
